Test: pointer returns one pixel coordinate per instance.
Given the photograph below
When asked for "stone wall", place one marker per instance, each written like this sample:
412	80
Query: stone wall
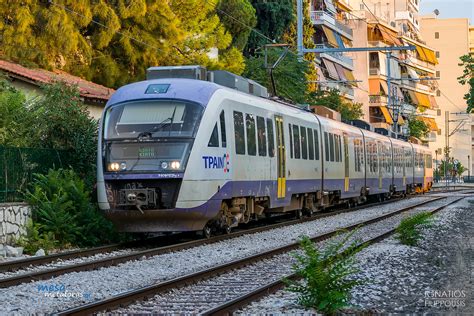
13	220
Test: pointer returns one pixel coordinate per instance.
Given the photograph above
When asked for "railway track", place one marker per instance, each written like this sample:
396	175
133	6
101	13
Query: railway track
266	263
134	255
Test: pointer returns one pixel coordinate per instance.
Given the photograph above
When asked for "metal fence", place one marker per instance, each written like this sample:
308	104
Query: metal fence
17	166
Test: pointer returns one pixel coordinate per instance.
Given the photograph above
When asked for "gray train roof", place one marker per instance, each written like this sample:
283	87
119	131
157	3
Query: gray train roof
185	89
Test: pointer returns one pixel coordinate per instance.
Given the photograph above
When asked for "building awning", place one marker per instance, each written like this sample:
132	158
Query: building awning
374	87
384	85
340	72
331	69
400	120
350	77
433	102
347	42
430	122
386	35
330	36
423	100
413	97
412	73
330	6
426	54
342	6
386	114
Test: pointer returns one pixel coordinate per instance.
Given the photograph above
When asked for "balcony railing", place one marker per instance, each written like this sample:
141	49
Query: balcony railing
339	56
343	89
380	99
374	72
319	17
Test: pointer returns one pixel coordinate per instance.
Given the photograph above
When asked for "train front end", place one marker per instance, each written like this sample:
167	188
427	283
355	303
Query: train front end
146	136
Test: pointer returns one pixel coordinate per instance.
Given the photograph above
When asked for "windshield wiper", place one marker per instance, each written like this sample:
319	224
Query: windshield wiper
156	128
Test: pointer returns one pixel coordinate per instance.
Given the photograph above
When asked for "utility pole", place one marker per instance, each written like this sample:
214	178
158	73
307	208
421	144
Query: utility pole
446	151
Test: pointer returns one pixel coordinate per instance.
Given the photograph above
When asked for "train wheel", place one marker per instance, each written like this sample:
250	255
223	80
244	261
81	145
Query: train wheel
227	229
207	232
299	214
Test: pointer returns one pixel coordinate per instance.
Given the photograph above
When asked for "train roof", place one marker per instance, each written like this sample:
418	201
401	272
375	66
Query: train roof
184	89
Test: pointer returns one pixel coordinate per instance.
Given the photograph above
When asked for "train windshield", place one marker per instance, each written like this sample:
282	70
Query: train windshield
156	118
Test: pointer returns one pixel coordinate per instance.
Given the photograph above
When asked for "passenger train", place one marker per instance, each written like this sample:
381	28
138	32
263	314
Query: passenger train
180	155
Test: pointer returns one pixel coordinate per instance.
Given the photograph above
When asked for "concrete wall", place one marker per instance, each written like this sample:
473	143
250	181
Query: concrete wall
13	220
453	42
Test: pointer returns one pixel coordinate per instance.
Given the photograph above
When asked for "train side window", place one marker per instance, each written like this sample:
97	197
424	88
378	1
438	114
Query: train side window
304	143
291	141
296	141
239	133
331	146
310	144
316	144
261	136
336	147
326	145
214	140
270	138
251	144
223	133
340	147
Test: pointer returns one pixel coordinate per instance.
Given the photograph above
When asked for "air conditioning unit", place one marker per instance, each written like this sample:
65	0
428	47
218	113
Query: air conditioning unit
183	72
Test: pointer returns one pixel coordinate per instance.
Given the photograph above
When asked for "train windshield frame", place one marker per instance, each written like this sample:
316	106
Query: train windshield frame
156	118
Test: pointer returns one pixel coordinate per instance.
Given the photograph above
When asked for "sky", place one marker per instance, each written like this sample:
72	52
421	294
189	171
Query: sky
449	8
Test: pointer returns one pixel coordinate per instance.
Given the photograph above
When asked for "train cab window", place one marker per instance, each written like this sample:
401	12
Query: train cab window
239	133
270	138
304	143
291	141
310	144
316	145
326	145
296	141
251	144
214	140
331	147
223	134
261	136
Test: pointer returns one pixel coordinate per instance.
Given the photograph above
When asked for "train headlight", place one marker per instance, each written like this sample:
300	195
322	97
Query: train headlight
114	166
175	164
164	165
123	166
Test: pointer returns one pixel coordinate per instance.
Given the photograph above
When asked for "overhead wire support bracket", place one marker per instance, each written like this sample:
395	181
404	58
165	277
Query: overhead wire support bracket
270	67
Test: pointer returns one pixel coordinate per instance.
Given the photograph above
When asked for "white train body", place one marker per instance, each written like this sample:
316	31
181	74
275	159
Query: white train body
246	156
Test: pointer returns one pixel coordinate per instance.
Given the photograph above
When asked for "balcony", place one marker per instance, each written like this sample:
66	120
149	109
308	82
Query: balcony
411	59
416	85
430	137
407	16
378	100
345	90
338	58
323	17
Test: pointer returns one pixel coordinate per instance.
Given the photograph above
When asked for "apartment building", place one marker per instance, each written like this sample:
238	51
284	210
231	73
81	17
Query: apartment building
329	19
410	82
450	38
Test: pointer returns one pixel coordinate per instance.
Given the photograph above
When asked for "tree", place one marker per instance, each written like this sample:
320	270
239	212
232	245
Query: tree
308	40
417	128
14	118
238	16
274	18
468	78
113	42
333	100
289	76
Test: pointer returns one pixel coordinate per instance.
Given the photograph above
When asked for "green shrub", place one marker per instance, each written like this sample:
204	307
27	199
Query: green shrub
35	239
61	206
409	229
327	275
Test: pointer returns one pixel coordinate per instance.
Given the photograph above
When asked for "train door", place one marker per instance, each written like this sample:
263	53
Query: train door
380	157
346	163
281	158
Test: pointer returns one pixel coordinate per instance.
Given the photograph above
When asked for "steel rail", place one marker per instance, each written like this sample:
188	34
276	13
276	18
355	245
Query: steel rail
227	308
115	260
129	297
